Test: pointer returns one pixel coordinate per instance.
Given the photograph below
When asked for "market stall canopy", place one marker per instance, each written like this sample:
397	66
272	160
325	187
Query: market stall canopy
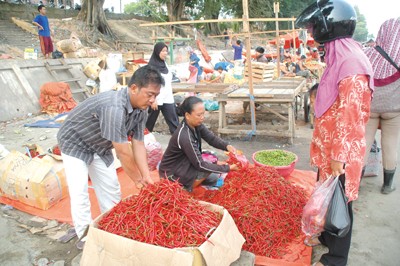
288	39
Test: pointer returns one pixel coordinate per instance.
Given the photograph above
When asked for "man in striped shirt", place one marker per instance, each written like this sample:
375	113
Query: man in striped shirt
92	130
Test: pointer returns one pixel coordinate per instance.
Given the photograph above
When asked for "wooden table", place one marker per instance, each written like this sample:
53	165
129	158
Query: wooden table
282	91
201	87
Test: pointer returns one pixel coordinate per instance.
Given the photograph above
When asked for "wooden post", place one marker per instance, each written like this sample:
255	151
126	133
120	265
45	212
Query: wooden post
294	36
246	29
278	41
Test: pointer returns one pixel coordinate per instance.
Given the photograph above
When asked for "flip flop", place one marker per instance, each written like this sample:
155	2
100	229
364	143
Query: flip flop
70	234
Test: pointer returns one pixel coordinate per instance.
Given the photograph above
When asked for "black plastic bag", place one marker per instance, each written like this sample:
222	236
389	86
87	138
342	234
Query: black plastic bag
337	221
57	54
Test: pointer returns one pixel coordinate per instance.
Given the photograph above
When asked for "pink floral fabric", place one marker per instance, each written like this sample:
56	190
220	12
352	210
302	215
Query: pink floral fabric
339	133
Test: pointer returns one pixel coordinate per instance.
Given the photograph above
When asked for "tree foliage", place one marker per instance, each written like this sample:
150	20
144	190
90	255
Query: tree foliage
141	8
361	31
212	9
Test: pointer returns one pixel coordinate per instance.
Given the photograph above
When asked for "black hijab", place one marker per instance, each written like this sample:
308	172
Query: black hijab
155	59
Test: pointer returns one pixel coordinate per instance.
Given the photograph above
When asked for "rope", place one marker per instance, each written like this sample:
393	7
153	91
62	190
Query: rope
252	132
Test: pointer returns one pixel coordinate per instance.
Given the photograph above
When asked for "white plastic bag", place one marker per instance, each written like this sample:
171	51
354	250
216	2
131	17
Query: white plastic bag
314	212
154	150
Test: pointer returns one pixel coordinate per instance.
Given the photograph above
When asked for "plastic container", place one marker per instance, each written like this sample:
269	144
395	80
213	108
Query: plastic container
284	171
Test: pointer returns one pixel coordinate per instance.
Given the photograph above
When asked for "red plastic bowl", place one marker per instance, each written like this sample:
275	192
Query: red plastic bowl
284	171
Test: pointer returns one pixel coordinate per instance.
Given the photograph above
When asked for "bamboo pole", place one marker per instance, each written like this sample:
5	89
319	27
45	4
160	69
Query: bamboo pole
278	50
294	36
246	29
252	33
215	21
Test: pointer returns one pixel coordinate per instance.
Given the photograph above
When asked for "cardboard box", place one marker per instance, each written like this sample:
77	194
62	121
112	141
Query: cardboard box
31	53
223	248
36	182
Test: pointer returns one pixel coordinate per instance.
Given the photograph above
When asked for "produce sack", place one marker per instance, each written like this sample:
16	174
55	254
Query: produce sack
314	212
69	45
337	220
153	149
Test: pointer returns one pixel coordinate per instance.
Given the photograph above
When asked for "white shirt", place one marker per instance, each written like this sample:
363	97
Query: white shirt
166	95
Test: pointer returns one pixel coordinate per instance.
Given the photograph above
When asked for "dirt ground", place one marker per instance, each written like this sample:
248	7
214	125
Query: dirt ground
376	236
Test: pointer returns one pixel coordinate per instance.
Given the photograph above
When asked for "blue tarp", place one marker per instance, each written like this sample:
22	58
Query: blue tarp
47	123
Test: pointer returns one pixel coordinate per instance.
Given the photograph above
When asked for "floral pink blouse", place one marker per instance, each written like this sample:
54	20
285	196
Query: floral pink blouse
339	134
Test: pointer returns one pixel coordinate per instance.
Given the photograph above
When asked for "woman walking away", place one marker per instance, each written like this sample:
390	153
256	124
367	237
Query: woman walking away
341	110
385	106
165	100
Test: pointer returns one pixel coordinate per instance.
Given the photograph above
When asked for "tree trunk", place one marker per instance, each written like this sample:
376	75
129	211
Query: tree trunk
92	14
211	11
175	9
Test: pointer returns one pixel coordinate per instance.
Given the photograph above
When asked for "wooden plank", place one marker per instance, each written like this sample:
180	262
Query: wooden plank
62	67
260	71
222	97
69	80
259	132
25	84
214	21
189	87
260	75
74	91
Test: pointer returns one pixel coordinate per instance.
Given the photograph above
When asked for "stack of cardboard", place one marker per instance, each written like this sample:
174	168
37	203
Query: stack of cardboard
261	72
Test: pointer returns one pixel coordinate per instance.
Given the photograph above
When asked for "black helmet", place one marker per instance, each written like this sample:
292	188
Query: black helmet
260	50
328	20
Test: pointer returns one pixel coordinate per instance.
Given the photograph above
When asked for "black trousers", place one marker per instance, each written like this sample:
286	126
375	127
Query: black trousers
339	247
169	112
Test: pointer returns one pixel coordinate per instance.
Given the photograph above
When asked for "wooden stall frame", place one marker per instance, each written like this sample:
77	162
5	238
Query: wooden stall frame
246	32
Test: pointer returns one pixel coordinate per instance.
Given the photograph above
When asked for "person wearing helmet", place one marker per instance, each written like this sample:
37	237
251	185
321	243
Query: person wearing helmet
342	108
260	57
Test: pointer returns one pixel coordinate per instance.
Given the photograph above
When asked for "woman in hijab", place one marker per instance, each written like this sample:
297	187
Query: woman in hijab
165	100
341	108
385	106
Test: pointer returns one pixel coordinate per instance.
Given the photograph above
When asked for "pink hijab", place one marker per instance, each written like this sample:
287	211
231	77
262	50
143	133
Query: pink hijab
344	58
389	39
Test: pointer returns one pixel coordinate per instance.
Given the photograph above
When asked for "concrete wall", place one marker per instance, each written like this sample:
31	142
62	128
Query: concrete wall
20	82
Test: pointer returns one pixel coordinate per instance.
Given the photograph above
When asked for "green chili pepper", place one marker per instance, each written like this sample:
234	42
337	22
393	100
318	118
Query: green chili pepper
275	157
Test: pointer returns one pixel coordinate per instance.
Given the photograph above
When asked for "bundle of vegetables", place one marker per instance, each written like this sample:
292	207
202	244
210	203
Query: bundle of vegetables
266	208
162	214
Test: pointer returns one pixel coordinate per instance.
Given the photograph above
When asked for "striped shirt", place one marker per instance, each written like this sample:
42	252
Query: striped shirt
94	124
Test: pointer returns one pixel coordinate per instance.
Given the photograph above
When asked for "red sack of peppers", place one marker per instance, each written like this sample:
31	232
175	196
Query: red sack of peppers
314	212
154	150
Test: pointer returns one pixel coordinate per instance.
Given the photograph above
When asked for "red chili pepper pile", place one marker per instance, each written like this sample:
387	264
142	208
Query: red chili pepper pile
266	208
162	214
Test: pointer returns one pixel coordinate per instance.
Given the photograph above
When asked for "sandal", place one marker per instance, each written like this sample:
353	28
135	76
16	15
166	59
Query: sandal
312	241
